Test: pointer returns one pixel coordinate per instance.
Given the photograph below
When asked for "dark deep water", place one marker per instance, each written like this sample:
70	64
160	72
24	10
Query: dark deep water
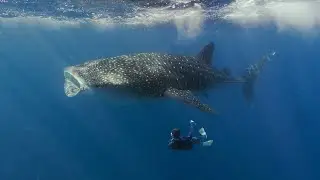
46	136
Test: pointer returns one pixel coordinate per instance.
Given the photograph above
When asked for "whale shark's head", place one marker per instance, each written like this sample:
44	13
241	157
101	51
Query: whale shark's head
73	84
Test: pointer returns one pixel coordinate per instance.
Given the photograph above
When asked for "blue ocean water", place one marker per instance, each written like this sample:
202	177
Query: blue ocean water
46	135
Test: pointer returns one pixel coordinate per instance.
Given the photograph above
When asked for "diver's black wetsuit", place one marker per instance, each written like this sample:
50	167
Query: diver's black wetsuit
184	142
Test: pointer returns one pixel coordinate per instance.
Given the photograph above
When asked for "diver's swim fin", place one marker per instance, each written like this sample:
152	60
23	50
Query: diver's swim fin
207	143
251	75
204	136
203	133
187	97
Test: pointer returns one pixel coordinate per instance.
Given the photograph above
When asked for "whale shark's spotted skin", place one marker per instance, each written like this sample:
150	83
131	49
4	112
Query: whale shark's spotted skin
152	74
172	4
148	73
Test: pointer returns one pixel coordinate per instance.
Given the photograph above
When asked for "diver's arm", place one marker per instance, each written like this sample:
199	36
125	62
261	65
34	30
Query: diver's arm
172	144
192	124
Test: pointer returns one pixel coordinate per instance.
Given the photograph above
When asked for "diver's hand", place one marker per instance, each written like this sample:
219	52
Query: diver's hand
192	123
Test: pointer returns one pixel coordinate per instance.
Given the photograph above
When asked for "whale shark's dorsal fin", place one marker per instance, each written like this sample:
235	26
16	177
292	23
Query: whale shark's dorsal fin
205	55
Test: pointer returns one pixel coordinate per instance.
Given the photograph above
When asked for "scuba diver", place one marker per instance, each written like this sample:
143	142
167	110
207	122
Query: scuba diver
186	142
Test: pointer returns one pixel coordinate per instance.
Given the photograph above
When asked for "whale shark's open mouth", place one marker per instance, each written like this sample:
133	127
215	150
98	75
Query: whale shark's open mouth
73	84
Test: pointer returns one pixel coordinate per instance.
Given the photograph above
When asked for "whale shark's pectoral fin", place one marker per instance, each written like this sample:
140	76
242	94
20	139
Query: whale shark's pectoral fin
187	97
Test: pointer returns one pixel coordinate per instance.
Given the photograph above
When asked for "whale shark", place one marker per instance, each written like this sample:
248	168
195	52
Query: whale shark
178	4
156	75
165	3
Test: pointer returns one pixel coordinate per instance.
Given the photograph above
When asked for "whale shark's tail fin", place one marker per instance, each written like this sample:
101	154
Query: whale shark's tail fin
251	75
